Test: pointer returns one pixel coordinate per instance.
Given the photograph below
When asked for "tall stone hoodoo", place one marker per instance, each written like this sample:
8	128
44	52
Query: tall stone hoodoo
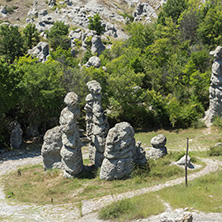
120	145
215	90
96	123
71	154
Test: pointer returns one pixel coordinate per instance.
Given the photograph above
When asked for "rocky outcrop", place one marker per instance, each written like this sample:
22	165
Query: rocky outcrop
41	51
158	148
97	45
93	61
71	154
144	11
51	148
139	155
16	135
96	123
215	90
120	144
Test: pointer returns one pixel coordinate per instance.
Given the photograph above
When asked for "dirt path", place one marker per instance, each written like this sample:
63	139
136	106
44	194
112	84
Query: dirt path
67	212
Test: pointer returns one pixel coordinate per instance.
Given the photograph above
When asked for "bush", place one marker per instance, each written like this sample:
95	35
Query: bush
215	151
95	24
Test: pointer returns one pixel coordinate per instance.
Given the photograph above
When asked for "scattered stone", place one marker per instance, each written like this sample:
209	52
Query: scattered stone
3	10
51	148
215	90
218	144
71	150
93	61
159	149
16	135
52	3
119	150
96	123
41	51
182	161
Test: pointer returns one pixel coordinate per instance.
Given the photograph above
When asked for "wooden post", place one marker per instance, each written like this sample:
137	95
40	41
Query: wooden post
186	162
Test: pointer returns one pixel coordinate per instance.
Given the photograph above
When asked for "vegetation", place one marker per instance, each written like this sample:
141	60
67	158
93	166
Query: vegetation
158	78
202	194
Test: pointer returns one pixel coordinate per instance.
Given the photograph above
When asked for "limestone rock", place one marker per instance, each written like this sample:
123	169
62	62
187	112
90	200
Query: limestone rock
51	148
119	149
182	161
41	51
158	141
215	90
71	154
139	156
93	61
96	123
159	149
16	135
97	45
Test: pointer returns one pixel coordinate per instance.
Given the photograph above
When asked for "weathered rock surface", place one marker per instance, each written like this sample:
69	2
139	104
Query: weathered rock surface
71	150
215	90
16	135
97	45
51	148
159	149
93	61
41	51
96	123
177	216
182	161
139	156
119	150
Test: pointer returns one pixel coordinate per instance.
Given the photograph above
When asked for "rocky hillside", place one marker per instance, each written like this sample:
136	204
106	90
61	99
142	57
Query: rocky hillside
76	13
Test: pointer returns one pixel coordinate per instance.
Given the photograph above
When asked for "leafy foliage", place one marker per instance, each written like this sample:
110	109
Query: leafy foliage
96	24
31	36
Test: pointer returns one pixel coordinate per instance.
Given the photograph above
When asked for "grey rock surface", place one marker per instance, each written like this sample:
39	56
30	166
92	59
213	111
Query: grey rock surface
139	155
93	61
158	141
96	123
215	90
97	45
182	161
120	145
51	148
71	155
41	51
16	135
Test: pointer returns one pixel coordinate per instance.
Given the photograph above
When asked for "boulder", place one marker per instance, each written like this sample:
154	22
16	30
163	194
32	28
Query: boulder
182	161
41	51
3	10
139	156
97	45
158	141
16	135
51	148
93	61
119	149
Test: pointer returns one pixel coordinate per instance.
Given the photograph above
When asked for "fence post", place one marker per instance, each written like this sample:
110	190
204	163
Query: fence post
186	162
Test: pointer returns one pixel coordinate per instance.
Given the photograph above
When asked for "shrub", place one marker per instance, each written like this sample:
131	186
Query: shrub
95	24
215	151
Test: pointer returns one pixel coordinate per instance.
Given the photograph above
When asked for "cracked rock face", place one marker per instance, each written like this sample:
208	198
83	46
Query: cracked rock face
120	145
215	90
71	155
96	123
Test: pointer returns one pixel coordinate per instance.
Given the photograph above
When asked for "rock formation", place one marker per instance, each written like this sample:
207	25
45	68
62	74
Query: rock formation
41	51
215	90
71	154
158	148
120	145
182	161
16	135
51	148
139	155
93	61
96	123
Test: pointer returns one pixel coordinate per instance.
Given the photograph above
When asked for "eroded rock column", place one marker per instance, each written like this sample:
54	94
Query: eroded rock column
215	90
71	154
96	123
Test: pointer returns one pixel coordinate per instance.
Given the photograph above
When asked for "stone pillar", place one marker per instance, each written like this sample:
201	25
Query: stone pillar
215	90
16	135
71	154
96	123
120	145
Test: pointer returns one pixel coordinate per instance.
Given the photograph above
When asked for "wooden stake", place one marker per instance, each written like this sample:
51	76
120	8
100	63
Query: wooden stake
186	162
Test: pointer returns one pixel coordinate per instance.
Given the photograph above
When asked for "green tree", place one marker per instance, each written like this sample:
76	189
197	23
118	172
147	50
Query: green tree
96	24
11	42
58	35
31	36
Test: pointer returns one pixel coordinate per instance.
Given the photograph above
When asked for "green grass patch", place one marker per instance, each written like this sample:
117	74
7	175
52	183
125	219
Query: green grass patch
37	186
215	151
203	194
132	208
